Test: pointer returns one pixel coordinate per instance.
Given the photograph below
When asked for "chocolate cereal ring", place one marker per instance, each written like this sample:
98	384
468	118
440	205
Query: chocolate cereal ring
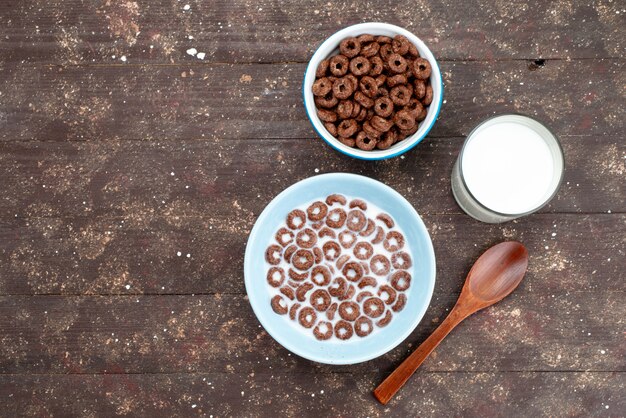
386	219
331	128
380	265
343	330
343	88
276	276
326	115
363	100
331	250
356	220
400	280
330	312
400	302
335	198
302	259
343	259
352	271
413	50
385	52
273	254
388	139
298	277
363	295
380	82
376	66
293	310
347	128
383	39
364	142
347	239
396	80
350	47
349	293
279	305
370	227
422	115
419	88
421	68
322	87
349	310
339	65
306	238
287	291
363	326
400	96
289	252
362	114
322	69
428	96
360	66
380	235
387	294
296	219
336	218
326	232
344	109
358	203
370	49
373	307
366	38
401	260
368	86
367	281
320	300
307	317
404	120
394	241
400	44
320	275
338	287
317	211
363	250
329	101
284	236
381	124
302	290
385	320
383	106
318	255
371	132
397	63
323	330
415	107
349	142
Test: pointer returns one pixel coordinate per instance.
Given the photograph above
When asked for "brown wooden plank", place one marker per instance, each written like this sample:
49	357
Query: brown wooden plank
105	255
220	101
78	32
224	177
530	331
267	393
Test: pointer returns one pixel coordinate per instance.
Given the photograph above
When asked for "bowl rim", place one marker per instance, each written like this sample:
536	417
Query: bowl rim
413	321
309	106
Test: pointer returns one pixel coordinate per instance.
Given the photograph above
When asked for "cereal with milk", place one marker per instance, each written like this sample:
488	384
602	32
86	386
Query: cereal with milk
339	267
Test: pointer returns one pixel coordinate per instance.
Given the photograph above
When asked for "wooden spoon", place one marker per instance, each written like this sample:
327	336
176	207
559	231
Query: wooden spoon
495	274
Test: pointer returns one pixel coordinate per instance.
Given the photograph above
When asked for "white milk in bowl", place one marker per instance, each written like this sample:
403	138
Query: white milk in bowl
510	166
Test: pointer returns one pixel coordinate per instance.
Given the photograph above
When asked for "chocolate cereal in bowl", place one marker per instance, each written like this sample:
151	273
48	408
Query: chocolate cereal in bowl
373	90
339	268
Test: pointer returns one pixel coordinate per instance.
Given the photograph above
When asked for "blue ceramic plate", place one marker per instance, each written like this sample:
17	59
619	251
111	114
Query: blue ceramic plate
334	351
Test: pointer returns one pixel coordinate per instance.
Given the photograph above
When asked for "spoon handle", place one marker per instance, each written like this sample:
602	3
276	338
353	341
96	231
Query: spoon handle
385	391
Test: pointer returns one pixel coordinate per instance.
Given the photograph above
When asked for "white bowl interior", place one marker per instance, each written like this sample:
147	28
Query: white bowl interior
330	47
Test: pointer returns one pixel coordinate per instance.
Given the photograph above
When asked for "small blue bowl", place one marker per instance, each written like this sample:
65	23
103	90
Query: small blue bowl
330	47
333	351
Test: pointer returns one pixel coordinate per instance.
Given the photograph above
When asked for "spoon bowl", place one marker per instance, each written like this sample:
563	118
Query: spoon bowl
496	273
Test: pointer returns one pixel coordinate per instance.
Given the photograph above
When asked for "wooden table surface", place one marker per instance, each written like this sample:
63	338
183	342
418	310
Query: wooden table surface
132	172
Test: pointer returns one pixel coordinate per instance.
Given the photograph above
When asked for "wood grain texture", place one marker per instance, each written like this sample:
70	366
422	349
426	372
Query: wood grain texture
224	101
255	395
79	32
219	333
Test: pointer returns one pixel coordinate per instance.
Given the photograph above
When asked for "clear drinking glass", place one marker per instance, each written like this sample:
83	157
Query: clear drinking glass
510	166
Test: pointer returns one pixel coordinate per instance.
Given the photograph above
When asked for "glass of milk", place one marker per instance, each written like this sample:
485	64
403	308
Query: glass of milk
510	166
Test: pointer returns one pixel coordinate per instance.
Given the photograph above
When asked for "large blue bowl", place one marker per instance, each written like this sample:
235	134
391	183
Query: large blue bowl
333	351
